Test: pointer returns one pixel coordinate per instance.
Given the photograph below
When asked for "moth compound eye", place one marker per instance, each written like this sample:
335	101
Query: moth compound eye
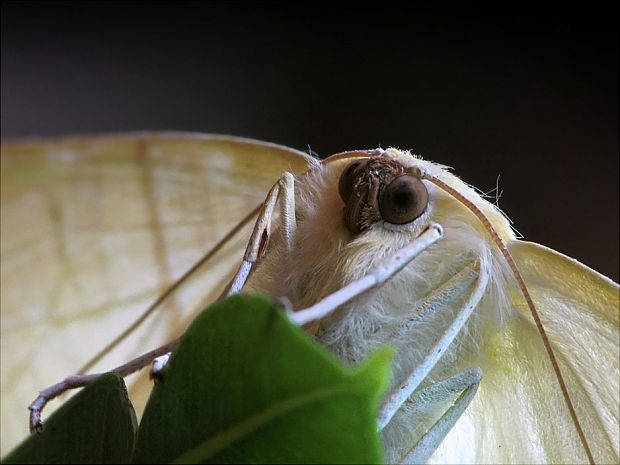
347	179
403	200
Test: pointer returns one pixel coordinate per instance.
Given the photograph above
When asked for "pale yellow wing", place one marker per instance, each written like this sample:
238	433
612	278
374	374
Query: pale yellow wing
518	415
95	228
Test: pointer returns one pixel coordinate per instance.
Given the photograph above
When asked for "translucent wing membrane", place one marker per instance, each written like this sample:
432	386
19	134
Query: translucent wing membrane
518	415
580	310
95	228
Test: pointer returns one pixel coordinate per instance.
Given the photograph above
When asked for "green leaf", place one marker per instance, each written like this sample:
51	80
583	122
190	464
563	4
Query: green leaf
245	385
97	425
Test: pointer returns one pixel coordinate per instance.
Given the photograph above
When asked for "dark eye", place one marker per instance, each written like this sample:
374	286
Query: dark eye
403	200
347	178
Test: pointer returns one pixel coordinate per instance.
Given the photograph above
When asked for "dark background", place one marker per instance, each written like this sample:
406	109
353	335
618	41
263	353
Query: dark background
527	93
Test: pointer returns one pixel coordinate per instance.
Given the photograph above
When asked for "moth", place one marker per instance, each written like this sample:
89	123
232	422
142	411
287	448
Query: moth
129	205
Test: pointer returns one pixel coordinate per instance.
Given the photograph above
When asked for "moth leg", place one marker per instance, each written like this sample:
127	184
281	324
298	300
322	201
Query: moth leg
77	381
403	391
466	382
282	193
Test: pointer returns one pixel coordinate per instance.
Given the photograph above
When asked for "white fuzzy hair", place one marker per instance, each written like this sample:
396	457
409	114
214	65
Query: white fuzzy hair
327	256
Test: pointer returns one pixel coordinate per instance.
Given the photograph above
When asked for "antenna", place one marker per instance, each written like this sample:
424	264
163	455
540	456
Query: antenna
530	303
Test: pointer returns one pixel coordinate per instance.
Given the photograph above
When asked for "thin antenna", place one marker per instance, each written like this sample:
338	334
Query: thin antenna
162	297
515	269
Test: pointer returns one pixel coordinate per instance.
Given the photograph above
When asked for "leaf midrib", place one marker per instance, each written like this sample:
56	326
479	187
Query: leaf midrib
240	430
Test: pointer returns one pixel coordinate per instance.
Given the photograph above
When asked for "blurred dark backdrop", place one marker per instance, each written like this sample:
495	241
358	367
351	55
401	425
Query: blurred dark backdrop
527	93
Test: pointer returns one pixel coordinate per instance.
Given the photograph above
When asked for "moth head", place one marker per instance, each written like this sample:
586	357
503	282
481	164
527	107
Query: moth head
379	188
390	189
